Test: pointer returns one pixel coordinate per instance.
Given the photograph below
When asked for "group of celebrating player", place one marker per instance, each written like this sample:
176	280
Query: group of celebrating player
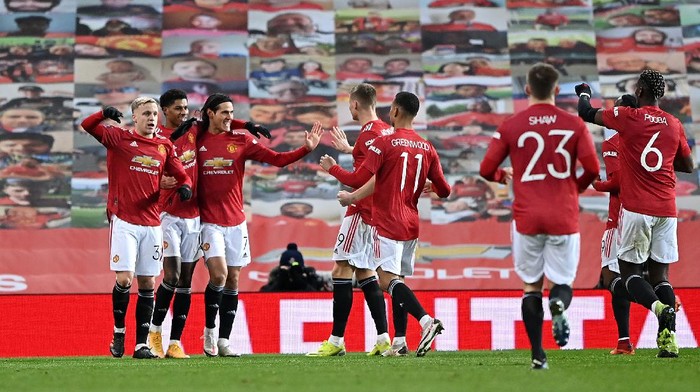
175	192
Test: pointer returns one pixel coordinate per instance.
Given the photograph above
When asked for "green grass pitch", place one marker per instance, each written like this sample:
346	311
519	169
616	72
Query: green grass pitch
502	371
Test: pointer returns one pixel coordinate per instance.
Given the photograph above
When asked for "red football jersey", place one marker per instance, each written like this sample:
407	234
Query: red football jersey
544	143
369	132
135	167
650	140
611	153
221	164
186	150
401	163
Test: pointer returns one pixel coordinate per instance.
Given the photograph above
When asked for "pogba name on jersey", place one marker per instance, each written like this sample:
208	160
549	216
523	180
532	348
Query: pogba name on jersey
655	119
410	143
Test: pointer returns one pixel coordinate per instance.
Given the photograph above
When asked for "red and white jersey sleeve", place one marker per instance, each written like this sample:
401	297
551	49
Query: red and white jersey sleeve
544	143
369	132
186	151
401	163
650	139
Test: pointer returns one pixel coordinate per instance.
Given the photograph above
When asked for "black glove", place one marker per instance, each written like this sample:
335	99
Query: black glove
182	129
185	192
112	113
257	130
583	88
628	100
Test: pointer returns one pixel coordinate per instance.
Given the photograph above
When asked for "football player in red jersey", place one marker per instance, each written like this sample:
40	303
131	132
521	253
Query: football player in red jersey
654	146
353	250
136	161
401	163
180	225
544	143
221	154
608	250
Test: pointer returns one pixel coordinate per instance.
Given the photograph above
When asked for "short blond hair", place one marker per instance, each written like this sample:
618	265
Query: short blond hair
140	101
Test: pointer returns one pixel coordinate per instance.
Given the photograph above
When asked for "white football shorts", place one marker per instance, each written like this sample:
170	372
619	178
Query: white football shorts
555	256
229	242
395	256
181	237
642	236
354	243
135	248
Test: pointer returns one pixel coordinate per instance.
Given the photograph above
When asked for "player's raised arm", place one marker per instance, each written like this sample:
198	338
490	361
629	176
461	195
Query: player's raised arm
585	111
280	159
93	124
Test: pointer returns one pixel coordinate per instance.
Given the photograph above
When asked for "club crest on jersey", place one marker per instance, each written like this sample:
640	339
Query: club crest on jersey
165	245
161	149
187	156
146	161
231	148
206	246
218	162
115	259
190	137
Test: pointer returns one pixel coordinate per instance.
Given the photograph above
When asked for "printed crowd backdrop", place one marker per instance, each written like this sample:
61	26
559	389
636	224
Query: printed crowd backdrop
288	63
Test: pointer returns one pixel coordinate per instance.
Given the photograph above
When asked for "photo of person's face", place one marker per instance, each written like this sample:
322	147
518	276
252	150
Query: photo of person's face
19	147
290	23
287	91
296	210
205	22
194	69
267	114
110	96
626	63
90	50
30	5
20	194
649	37
20	118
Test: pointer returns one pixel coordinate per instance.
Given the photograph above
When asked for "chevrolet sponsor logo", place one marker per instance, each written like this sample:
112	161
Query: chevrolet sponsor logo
426	252
146	161
218	162
187	156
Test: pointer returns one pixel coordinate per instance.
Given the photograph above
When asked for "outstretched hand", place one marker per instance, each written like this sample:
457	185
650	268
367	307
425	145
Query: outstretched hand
314	137
340	140
112	113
